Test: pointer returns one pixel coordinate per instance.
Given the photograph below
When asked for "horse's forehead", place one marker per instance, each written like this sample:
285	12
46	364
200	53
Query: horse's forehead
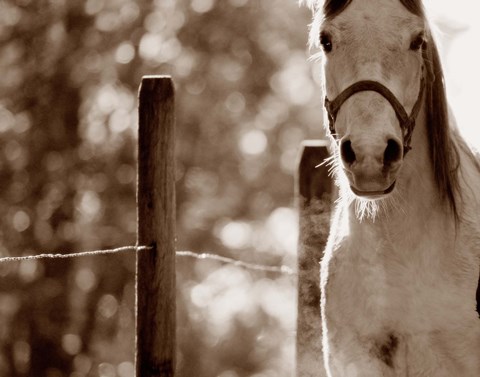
382	18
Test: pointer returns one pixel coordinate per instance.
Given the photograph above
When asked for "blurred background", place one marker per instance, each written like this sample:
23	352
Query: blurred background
246	96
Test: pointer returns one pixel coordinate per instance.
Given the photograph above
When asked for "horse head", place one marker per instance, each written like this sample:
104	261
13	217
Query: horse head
375	76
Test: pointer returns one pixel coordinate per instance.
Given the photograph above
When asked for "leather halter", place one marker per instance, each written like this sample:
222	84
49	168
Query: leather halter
407	122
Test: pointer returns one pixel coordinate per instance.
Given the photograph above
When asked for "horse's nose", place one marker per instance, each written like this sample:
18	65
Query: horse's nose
347	153
385	153
393	153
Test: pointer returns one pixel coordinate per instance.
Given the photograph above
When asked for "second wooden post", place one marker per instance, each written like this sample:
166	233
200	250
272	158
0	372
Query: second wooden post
314	197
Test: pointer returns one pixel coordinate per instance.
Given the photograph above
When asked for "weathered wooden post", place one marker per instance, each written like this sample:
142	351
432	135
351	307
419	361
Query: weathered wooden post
314	193
155	270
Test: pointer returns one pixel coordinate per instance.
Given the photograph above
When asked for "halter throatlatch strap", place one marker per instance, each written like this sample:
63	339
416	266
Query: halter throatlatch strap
407	122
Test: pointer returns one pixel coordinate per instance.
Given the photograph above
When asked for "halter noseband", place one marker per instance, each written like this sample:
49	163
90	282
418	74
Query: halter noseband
407	123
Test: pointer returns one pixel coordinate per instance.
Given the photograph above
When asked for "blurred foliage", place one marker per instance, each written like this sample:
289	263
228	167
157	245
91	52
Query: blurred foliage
245	95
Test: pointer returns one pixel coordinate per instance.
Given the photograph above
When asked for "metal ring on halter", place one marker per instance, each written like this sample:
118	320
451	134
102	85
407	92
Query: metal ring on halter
407	122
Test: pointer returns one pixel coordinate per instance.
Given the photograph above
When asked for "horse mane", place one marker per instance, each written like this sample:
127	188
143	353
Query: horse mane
443	152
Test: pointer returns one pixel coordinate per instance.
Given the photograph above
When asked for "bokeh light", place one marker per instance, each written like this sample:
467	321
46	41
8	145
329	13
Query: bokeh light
253	142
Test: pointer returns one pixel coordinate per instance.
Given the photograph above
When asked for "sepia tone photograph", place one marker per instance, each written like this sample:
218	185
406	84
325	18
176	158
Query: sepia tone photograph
239	188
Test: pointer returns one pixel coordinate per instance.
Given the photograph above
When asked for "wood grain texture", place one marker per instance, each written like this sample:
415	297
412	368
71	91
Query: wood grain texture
155	270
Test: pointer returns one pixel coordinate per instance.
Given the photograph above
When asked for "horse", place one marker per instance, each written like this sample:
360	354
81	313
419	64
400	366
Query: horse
400	272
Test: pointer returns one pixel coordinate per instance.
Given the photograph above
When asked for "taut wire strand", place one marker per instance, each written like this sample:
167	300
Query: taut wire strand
251	266
211	256
75	255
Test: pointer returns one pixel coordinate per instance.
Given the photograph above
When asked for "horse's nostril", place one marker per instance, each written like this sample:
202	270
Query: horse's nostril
346	150
393	152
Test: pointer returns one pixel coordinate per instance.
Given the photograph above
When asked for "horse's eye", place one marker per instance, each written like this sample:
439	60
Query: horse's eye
326	42
417	42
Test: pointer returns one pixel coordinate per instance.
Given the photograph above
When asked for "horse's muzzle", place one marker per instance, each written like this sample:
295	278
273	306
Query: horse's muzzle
371	166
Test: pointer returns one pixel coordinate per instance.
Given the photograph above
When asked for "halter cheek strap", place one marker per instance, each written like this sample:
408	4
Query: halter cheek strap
407	122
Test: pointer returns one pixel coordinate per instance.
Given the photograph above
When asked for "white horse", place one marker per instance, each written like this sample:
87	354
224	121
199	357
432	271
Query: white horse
401	268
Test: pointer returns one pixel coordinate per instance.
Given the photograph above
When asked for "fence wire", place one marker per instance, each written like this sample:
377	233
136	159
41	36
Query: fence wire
183	253
63	255
250	266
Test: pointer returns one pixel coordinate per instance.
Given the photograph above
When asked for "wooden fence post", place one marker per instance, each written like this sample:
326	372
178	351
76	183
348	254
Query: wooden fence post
314	193
155	270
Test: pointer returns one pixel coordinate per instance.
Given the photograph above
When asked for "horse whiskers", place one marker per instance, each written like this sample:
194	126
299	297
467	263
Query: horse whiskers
373	209
317	57
333	165
399	203
366	209
392	204
328	161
